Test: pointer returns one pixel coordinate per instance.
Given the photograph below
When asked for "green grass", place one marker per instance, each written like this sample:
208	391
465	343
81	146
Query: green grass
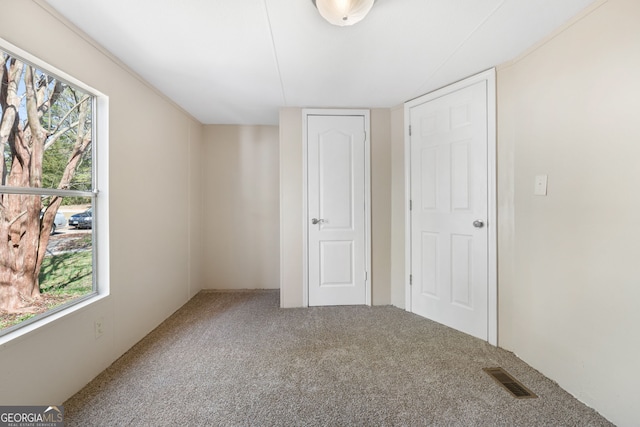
69	273
5	323
63	277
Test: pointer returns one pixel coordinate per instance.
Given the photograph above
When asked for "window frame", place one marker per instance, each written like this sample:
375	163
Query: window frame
99	194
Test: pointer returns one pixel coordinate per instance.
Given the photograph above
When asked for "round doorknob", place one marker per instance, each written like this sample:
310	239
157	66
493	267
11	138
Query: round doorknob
478	223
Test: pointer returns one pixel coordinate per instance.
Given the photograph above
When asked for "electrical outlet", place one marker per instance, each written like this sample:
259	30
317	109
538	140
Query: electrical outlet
540	186
99	327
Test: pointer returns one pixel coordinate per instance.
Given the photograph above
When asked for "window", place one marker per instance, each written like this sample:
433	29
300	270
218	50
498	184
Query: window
49	199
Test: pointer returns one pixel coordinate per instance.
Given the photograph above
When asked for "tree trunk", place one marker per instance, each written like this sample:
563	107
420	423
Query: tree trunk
19	284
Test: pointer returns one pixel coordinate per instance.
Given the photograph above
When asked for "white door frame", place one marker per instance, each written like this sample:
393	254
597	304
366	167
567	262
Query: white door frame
367	196
492	298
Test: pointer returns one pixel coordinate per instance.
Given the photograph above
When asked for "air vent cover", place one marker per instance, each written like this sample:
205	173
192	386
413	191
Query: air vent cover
514	386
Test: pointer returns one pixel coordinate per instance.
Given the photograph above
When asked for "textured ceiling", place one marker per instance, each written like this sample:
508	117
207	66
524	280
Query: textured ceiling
239	61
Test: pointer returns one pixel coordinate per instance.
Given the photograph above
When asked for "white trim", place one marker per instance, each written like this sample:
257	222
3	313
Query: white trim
281	223
30	59
306	112
43	191
305	214
407	210
492	211
492	286
101	150
17	334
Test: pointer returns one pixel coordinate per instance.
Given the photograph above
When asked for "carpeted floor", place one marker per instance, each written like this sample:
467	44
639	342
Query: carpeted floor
236	359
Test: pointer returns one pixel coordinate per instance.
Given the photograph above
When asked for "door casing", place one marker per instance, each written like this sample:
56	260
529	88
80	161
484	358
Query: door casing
306	112
492	298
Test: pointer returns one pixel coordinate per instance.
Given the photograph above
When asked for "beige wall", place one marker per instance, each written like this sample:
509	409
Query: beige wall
569	279
398	208
291	211
241	207
195	205
153	149
291	208
380	206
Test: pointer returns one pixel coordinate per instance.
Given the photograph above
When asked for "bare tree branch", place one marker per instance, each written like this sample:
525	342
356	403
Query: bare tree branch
82	142
10	129
71	110
44	106
4	84
53	138
38	133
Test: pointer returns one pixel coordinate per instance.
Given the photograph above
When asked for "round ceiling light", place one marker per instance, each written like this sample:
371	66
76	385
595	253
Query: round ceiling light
343	12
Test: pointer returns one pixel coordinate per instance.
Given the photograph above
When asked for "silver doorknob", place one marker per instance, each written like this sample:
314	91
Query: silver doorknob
478	223
316	221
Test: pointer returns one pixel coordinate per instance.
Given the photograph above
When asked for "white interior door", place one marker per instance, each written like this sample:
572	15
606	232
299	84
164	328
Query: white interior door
449	214
336	228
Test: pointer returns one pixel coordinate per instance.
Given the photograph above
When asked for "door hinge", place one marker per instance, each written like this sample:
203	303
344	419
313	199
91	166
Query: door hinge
409	130
410	279
366	276
410	205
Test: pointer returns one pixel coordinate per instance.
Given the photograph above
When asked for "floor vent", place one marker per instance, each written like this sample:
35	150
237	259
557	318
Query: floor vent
507	381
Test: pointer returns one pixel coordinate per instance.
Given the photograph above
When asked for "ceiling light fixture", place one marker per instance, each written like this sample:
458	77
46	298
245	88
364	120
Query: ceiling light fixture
343	12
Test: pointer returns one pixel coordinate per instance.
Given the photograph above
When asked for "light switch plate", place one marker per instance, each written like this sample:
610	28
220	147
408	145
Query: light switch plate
540	186
98	325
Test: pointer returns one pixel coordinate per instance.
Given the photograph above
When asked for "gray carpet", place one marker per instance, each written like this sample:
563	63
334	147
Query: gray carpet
236	359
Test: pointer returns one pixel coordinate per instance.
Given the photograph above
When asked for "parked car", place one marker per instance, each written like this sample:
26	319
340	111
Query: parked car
75	219
58	222
85	221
